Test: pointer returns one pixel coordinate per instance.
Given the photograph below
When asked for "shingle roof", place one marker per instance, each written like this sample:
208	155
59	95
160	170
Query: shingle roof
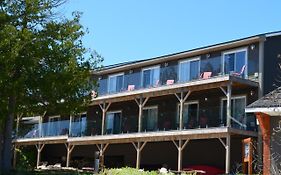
268	34
272	99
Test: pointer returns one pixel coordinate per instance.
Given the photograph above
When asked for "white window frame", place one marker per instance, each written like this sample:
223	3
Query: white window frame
49	122
151	107
72	120
235	51
113	112
187	103
189	60
149	68
114	75
232	98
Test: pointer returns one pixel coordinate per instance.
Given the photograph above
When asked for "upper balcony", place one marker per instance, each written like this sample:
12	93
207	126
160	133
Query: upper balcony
241	63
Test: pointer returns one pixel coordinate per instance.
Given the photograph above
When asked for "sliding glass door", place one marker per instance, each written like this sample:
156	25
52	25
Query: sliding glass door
189	70
113	122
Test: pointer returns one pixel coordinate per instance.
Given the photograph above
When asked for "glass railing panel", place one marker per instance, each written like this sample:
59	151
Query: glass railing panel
78	128
56	128
168	74
102	87
212	65
132	81
28	131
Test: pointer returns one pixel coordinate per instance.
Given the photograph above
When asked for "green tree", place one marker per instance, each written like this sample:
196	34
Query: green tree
43	67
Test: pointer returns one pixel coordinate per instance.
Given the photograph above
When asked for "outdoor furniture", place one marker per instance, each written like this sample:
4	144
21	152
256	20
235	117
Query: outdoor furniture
170	82
206	75
131	87
241	72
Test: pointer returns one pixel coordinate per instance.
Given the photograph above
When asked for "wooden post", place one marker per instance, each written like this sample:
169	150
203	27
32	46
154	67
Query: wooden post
15	157
227	154
40	124
182	99
141	104
104	109
39	148
102	149
264	122
70	125
180	148
226	145
17	124
139	147
228	105
69	149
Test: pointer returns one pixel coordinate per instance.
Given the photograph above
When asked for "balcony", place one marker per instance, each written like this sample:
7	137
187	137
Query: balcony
180	73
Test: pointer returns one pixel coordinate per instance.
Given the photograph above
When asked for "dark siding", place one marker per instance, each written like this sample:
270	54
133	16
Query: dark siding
275	123
272	48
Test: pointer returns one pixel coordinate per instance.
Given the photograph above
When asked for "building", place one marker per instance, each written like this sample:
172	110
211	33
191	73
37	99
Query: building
181	109
268	112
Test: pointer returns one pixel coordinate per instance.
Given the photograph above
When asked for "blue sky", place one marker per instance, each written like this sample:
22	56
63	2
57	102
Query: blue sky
126	30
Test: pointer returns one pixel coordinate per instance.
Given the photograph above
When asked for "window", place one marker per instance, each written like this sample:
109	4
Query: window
234	62
54	126
189	70
150	118
78	125
238	105
150	76
115	83
113	122
190	114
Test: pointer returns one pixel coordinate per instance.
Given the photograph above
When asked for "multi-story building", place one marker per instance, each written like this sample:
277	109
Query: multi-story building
181	109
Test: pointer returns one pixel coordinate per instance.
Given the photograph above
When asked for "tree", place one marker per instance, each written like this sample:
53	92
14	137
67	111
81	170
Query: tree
43	67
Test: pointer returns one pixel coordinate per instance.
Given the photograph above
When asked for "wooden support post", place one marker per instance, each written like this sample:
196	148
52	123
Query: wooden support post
180	148
70	125
264	122
15	157
141	104
40	124
228	105
39	148
182	99
69	149
139	147
226	145
102	149
17	124
104	109
227	155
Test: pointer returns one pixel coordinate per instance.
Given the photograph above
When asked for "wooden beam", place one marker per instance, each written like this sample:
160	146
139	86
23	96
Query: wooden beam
222	142
139	147
69	149
180	146
227	155
104	109
39	148
228	105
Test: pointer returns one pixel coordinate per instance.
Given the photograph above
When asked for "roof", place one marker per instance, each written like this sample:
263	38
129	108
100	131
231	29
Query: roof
269	104
129	63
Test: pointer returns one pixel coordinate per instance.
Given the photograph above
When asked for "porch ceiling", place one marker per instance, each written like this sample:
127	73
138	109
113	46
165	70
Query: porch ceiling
197	85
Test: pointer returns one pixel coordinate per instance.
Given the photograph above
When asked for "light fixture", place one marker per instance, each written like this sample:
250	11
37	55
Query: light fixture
253	47
208	55
206	99
166	64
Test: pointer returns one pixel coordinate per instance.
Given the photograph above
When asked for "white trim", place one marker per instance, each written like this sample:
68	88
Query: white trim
150	68
272	111
235	51
188	60
188	103
113	112
52	117
232	98
151	107
114	75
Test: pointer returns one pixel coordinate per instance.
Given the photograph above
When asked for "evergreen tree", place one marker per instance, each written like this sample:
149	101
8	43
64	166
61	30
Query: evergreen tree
43	67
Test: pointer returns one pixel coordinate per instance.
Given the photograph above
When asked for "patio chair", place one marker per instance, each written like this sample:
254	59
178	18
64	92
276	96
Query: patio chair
206	75
170	82
131	87
239	74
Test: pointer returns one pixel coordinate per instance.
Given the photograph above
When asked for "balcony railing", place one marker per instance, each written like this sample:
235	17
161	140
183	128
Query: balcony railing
204	118
169	74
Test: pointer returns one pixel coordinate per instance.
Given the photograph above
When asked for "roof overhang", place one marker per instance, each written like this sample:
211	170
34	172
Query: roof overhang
190	53
271	111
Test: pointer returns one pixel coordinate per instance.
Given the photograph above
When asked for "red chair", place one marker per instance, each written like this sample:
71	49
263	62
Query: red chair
241	72
206	75
131	87
170	82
